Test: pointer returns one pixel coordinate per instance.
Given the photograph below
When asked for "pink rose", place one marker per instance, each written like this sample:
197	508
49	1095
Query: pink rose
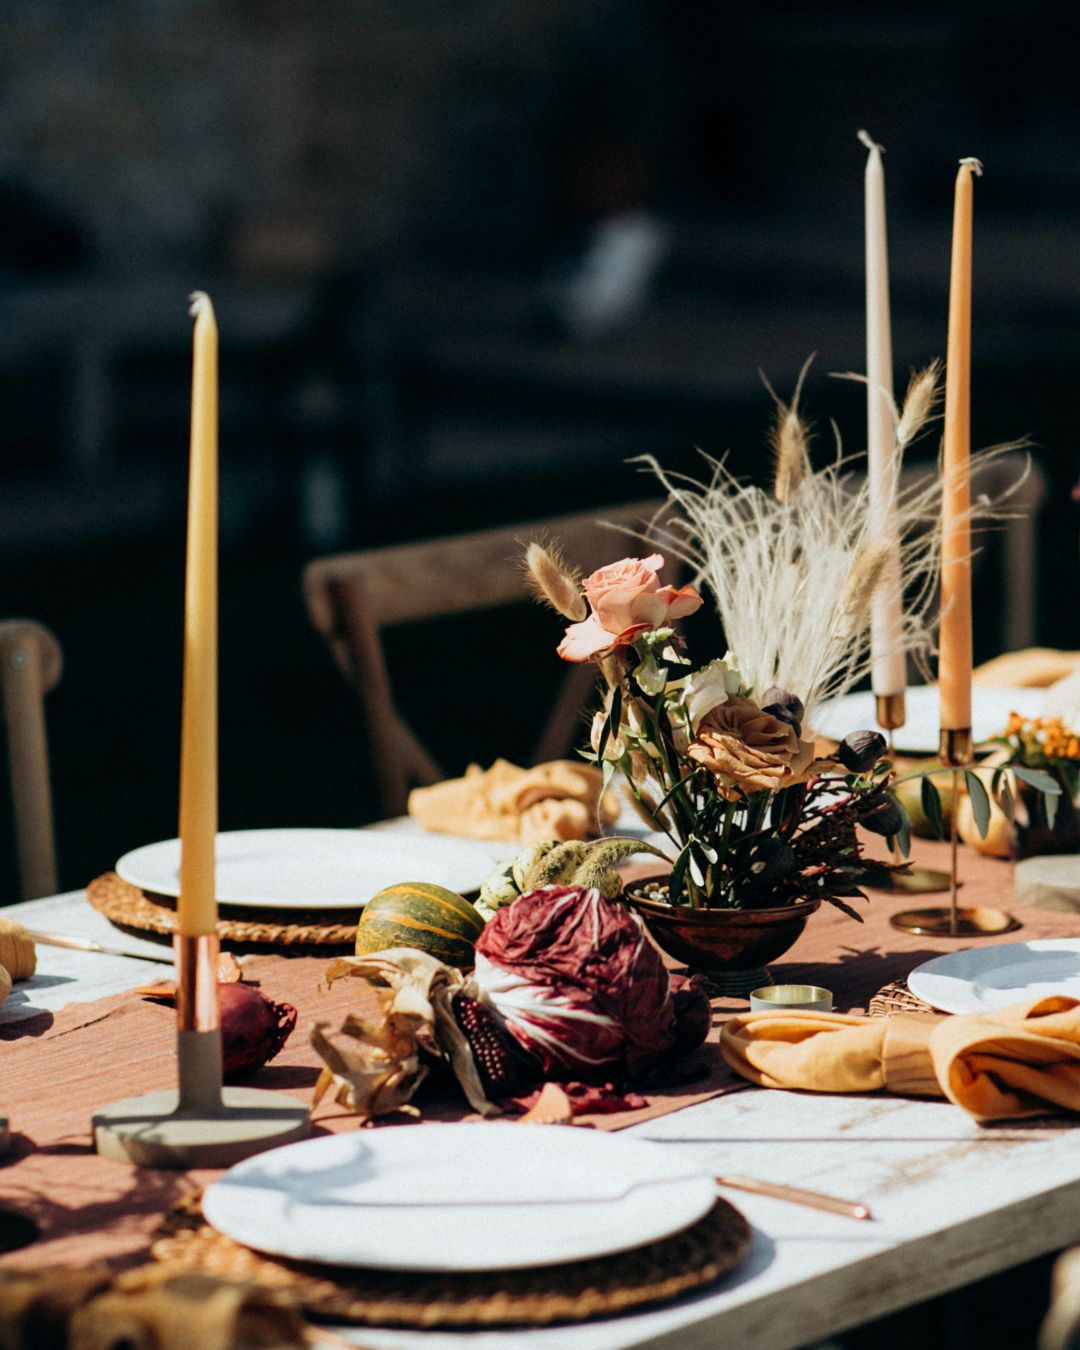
626	599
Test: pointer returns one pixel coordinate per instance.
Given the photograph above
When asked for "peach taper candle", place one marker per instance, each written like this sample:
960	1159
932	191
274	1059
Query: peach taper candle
954	662
197	906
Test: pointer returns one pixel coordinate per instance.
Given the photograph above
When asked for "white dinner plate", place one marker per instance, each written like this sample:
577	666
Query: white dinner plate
492	1196
984	978
313	869
990	709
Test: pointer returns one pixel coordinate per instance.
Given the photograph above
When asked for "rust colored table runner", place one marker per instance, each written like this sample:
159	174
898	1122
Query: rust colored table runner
55	1070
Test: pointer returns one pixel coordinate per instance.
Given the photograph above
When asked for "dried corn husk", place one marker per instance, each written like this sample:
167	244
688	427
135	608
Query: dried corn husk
373	1058
17	951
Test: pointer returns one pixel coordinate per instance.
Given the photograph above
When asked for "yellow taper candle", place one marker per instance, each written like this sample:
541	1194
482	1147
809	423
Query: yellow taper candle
888	675
954	662
197	907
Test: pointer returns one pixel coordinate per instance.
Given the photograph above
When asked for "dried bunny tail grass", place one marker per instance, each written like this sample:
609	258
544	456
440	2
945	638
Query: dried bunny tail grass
867	571
920	403
553	582
790	440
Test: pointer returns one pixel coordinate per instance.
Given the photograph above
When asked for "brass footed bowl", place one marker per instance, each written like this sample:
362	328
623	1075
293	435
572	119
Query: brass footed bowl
721	939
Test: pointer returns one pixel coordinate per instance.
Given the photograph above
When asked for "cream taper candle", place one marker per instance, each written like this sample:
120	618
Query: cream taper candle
197	906
954	661
888	675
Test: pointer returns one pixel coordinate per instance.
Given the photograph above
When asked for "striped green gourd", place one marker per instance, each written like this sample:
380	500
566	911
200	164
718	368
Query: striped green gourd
421	915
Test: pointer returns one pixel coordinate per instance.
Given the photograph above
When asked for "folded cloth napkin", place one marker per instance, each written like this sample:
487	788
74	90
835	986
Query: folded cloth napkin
1031	668
1008	1064
153	1308
560	800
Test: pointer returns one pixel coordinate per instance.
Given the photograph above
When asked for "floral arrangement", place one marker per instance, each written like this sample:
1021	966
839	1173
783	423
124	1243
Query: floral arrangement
716	756
753	816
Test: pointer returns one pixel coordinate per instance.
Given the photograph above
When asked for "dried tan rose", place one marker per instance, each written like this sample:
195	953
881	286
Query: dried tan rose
749	751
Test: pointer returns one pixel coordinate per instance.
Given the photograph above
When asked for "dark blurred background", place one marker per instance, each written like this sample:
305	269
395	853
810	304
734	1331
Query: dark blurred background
467	259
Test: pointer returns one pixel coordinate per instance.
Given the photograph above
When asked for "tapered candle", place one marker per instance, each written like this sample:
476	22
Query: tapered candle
954	661
197	907
888	676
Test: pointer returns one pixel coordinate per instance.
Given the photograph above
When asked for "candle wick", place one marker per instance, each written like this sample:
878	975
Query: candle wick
870	143
975	165
199	303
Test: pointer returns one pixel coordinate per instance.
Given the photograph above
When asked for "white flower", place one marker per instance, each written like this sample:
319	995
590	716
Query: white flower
614	747
707	688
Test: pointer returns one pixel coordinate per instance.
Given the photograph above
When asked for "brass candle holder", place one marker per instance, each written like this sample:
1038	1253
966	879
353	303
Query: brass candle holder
200	1123
891	715
957	753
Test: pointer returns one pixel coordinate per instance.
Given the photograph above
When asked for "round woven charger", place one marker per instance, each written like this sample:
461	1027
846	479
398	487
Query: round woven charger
141	912
599	1287
896	997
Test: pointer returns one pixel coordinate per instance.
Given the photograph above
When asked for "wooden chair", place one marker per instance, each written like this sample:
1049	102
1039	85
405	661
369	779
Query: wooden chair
352	598
30	665
1061	1328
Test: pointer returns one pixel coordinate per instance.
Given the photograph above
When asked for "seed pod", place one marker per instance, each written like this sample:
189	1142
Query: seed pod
769	862
881	814
784	707
860	750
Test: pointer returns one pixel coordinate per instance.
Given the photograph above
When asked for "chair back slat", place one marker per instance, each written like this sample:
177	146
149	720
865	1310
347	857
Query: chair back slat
353	597
30	666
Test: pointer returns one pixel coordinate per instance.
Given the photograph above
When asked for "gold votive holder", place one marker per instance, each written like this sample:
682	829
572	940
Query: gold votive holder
791	998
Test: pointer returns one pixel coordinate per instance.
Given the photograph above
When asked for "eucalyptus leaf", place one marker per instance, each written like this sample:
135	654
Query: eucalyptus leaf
1038	779
615	716
1005	799
903	835
931	805
674	788
678	873
980	802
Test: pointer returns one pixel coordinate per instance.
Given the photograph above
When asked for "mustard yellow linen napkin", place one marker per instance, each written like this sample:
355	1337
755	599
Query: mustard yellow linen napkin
152	1308
561	799
1031	668
1015	1062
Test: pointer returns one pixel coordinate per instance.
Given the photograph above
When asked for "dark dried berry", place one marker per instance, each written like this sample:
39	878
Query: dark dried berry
784	707
881	814
770	860
860	750
504	1069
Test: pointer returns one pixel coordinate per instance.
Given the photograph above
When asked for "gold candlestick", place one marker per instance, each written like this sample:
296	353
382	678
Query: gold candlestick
953	922
891	715
200	1123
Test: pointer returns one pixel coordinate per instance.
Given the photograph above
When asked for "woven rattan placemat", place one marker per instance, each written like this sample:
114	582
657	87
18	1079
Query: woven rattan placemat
896	997
655	1273
138	911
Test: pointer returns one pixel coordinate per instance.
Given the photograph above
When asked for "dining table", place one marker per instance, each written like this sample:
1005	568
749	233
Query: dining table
952	1201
